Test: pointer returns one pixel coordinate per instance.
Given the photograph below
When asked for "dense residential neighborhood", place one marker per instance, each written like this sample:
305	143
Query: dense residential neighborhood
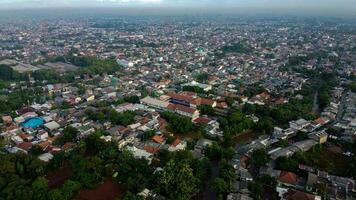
169	108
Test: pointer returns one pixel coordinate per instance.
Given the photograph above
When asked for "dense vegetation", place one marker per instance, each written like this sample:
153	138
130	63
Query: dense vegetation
195	89
125	118
235	123
321	158
237	48
178	123
23	176
17	99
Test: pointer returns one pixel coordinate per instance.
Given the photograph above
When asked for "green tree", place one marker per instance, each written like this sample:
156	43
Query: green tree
178	181
259	157
220	186
206	110
69	188
55	195
70	134
40	185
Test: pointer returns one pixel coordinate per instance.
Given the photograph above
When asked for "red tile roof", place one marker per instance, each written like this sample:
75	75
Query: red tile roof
158	139
189	97
25	146
320	121
176	142
288	177
181	108
24	136
203	120
221	105
297	195
68	146
150	149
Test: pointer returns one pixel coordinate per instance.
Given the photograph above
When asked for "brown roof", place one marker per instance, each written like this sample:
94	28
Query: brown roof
182	108
205	101
180	97
264	95
144	120
221	105
24	136
297	195
190	97
7	119
202	120
151	149
25	146
288	177
158	139
176	142
44	145
68	146
320	121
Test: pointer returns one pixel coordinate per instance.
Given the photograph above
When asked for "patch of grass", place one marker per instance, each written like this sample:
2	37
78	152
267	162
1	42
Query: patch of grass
326	160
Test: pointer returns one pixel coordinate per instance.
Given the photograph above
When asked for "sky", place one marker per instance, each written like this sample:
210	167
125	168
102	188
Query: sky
317	6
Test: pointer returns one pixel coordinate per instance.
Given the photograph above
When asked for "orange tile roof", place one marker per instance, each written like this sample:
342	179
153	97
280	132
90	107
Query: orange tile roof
25	146
176	142
202	120
44	145
158	139
288	177
150	149
298	195
182	108
320	121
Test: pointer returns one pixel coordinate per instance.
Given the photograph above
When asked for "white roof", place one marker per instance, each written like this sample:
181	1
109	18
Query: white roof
52	125
45	157
155	102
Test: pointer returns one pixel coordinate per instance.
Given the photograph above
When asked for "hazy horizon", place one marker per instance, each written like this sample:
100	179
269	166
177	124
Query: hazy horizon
309	7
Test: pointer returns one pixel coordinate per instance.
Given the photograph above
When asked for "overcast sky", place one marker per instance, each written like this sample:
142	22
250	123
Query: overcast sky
320	6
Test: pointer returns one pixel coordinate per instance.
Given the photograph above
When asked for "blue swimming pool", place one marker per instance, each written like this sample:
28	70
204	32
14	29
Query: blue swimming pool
33	122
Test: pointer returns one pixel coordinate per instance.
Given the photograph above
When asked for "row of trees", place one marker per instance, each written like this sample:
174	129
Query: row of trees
19	98
235	123
178	123
125	118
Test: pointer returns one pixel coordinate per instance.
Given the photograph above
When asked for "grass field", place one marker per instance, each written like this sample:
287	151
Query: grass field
326	160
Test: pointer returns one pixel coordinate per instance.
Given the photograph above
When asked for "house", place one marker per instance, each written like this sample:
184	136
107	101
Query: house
201	146
26	146
184	110
46	157
177	145
292	194
320	122
7	120
282	152
321	137
189	100
238	196
51	126
158	139
305	145
68	146
202	120
311	181
299	124
146	193
125	141
140	153
155	103
288	178
205	87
